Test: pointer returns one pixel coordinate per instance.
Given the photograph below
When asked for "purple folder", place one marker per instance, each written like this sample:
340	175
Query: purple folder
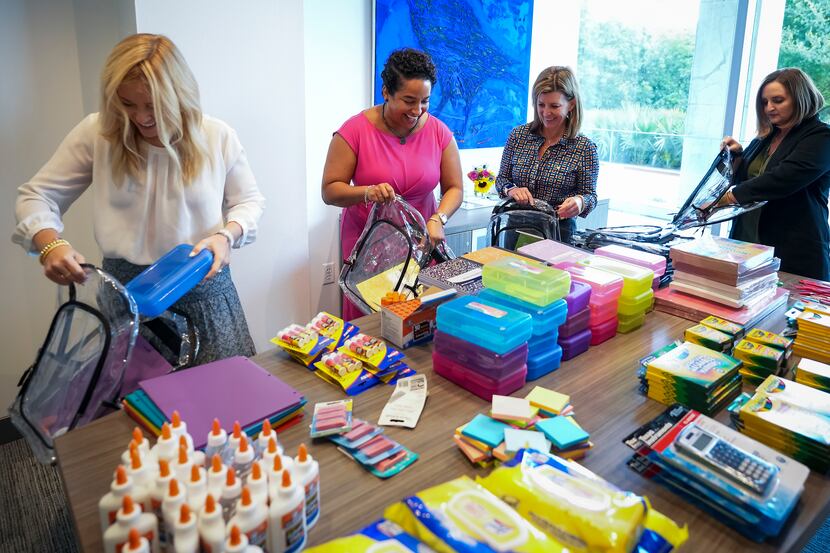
231	389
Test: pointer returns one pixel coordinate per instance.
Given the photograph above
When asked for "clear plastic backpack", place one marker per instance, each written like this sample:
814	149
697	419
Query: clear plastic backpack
389	255
78	372
513	225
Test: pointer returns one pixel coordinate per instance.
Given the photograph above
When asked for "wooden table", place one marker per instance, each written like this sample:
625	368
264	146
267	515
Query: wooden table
603	389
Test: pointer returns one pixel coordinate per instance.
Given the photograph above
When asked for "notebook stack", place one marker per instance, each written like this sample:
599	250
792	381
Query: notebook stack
725	271
695	376
481	346
538	290
653	262
602	302
790	417
814	374
636	297
813	338
233	389
460	273
738	480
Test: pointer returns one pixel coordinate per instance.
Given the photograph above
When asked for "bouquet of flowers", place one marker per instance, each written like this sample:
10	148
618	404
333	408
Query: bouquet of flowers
482	178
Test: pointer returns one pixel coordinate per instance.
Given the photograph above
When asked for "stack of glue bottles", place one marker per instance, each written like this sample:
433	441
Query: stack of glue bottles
251	497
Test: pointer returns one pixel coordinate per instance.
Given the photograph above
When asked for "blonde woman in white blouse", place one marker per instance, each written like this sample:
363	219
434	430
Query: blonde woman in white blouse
161	174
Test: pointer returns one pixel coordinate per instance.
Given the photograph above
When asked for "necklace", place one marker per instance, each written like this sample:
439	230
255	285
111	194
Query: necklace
403	138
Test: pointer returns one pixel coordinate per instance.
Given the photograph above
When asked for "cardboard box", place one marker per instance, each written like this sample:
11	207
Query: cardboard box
412	322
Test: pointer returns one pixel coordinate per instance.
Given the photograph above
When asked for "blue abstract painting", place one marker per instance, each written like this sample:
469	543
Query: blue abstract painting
481	50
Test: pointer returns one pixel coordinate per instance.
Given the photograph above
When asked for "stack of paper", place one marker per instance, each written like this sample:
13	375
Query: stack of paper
693	375
233	389
792	418
813	338
814	374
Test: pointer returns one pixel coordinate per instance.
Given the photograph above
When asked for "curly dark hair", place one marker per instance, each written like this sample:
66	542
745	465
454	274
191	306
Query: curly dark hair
405	64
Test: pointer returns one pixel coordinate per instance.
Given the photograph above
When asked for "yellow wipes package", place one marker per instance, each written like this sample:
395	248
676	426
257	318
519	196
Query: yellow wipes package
569	503
460	515
381	536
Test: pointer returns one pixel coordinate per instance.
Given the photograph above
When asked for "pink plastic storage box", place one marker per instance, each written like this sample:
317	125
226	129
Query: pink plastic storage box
478	383
482	359
603	331
602	313
605	286
654	262
553	252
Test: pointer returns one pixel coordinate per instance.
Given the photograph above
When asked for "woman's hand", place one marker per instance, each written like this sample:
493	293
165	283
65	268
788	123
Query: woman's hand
381	193
62	265
221	248
435	230
569	208
521	195
733	145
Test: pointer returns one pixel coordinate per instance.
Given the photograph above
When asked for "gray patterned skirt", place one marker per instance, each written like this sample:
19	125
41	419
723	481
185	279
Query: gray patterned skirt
213	307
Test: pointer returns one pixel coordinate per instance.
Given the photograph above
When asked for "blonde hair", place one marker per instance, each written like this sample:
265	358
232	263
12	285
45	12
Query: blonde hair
156	62
806	98
558	78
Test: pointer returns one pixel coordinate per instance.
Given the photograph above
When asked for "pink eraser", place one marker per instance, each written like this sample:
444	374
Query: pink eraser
330	409
376	447
326	424
359	432
387	463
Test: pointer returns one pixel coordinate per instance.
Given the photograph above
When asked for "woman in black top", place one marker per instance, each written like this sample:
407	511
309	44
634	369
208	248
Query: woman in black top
788	165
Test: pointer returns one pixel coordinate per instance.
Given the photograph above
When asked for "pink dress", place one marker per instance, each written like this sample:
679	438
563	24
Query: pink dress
413	169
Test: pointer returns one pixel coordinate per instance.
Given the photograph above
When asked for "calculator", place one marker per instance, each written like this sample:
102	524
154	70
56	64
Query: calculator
744	468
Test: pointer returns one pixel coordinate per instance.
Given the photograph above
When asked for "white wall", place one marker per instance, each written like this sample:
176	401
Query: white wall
248	60
338	84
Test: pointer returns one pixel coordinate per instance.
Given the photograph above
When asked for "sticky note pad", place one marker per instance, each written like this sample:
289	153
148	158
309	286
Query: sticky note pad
561	432
473	454
484	429
548	400
511	408
515	439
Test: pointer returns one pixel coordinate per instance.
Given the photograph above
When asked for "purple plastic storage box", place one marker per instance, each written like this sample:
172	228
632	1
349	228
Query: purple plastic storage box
579	296
480	384
603	331
575	345
578	322
602	313
541	364
479	358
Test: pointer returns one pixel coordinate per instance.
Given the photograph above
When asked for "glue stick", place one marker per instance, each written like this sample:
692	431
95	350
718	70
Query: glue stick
136	543
258	484
243	458
186	536
217	438
211	526
173	500
216	475
129	516
238	543
286	518
307	471
196	488
108	506
157	498
252	518
231	490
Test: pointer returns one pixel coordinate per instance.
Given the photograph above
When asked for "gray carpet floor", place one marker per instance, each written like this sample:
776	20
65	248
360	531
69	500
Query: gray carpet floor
34	516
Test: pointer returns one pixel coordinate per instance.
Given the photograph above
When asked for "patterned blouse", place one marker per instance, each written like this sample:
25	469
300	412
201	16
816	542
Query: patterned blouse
567	168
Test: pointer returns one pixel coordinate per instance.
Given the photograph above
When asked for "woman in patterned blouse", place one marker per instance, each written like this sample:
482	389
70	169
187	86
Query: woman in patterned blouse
547	159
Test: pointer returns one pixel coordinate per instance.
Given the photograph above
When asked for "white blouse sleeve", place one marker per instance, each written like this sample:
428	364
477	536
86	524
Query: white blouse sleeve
45	198
243	203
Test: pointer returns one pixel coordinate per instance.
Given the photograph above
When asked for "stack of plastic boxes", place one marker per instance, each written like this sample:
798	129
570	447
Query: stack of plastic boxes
636	297
538	290
654	262
481	346
605	292
575	334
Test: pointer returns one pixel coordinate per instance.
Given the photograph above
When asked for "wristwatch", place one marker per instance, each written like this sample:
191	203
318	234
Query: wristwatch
441	217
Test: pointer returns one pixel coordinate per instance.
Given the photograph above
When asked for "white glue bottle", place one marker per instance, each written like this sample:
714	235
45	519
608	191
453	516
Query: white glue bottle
233	443
217	438
183	463
173	500
157	498
286	518
185	534
143	479
275	475
264	437
307	470
258	484
243	458
216	475
129	516
238	543
136	543
252	518
196	488
167	446
211	526
179	428
230	493
143	446
108	506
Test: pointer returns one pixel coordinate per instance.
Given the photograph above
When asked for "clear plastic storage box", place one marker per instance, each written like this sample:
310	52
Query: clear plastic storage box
545	318
636	279
655	263
527	280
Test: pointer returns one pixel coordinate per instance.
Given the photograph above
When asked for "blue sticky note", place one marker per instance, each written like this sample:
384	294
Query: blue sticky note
484	429
515	439
561	432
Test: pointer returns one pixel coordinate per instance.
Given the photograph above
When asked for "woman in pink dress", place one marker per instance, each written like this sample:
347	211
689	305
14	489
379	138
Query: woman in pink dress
394	148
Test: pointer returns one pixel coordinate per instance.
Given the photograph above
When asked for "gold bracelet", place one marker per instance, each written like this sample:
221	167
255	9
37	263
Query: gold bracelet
56	243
